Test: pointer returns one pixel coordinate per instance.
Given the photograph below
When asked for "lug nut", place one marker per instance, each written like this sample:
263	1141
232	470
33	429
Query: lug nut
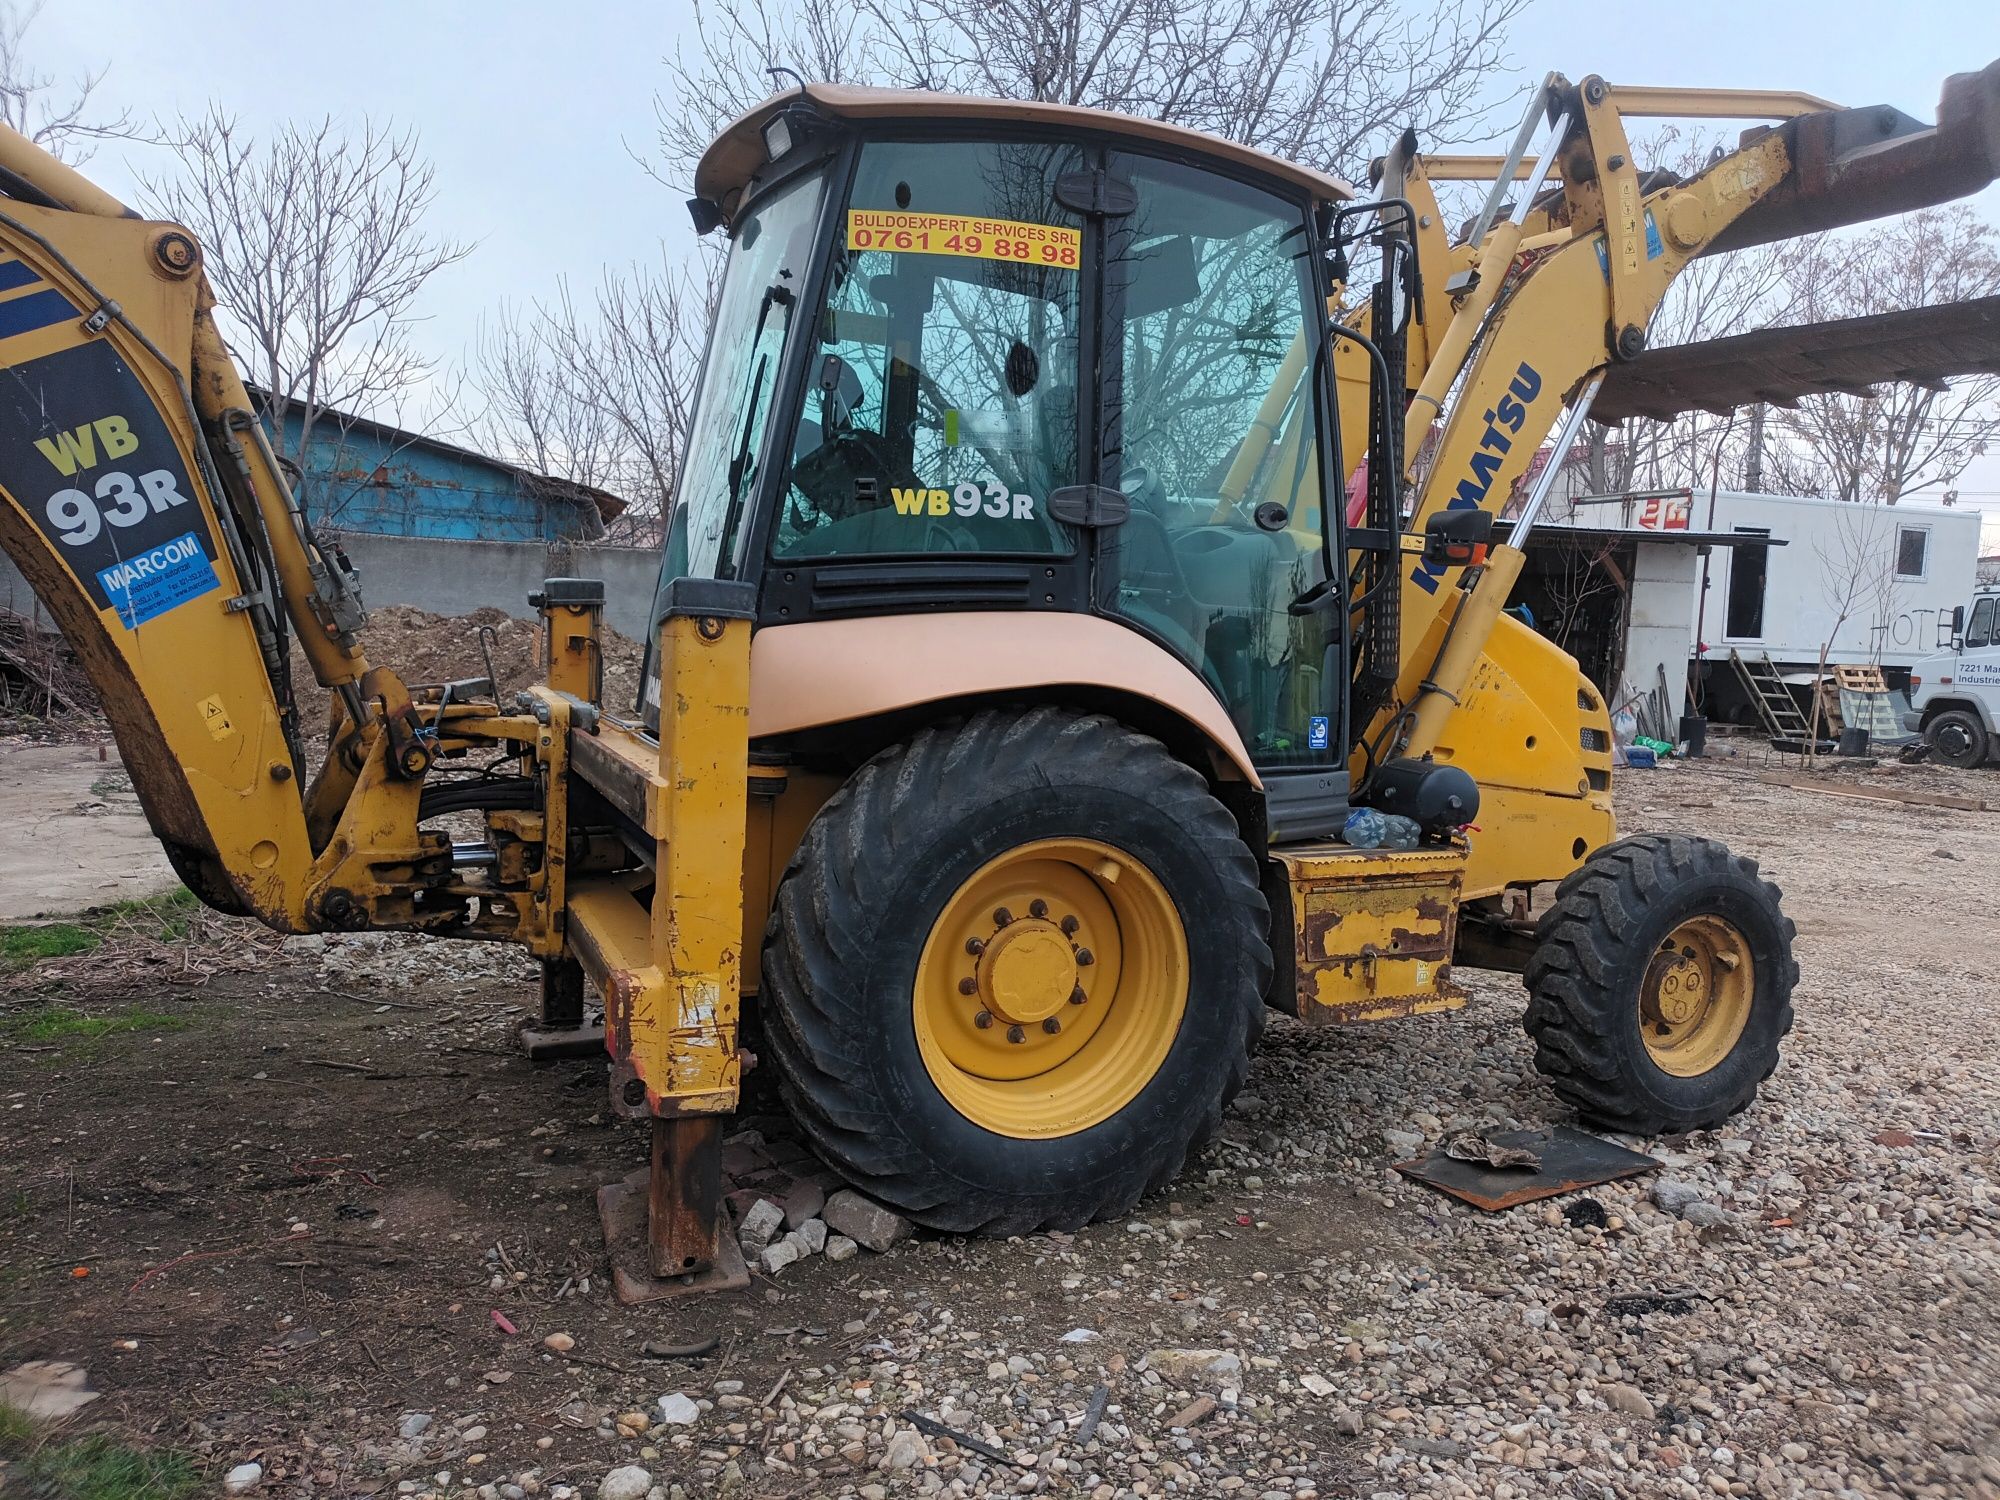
1077	996
1085	958
1051	1025
1002	916
1016	1034
1038	907
1069	926
983	1020
975	946
968	986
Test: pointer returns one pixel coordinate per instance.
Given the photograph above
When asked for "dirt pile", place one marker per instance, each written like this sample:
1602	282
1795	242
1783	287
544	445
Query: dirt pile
425	648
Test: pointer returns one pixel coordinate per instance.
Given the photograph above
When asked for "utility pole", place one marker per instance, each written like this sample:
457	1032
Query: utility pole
1753	461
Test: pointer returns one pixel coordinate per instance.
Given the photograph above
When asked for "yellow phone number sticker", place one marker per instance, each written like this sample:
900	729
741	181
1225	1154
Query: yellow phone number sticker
964	235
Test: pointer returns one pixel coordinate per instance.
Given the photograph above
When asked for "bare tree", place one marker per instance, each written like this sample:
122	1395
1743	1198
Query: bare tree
1857	579
1908	435
55	115
600	394
315	244
1322	83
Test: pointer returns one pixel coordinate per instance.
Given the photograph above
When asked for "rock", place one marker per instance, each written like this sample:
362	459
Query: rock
472	1434
243	1477
1704	1215
46	1389
1317	1383
562	1343
763	1220
1710	1357
1628	1399
776	1256
1795	1453
678	1410
1194	1366
810	1236
803	1203
414	1425
1349	1423
865	1221
1672	1195
1403	1142
1194	1413
1079	1336
905	1450
628	1482
839	1247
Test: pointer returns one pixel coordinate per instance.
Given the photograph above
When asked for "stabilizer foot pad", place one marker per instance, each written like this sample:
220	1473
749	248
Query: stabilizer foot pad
621	1209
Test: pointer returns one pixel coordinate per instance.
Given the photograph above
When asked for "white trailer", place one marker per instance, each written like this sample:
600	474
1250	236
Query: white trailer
1872	584
1894	572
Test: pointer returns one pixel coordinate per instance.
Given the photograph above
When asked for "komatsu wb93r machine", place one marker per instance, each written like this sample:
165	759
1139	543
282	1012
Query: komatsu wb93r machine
1066	545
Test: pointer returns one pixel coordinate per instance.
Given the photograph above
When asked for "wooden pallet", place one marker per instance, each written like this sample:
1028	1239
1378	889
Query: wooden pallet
1773	701
1861	679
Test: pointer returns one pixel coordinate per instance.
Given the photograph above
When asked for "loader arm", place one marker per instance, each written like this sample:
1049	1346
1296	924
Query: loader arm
1526	315
141	499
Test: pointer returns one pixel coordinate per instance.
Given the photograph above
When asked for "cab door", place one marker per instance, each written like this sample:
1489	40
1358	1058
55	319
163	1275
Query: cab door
1211	424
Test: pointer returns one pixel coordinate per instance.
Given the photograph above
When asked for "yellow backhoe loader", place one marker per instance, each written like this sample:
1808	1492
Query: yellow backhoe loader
1072	565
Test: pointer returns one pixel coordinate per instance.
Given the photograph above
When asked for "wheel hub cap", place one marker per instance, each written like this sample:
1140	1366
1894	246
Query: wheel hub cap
1696	996
1027	972
1051	988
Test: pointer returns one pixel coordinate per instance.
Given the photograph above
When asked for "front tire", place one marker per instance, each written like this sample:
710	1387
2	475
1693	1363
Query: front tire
1661	985
1015	970
1958	739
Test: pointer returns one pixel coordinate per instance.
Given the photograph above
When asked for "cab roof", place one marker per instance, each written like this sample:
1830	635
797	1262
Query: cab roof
738	153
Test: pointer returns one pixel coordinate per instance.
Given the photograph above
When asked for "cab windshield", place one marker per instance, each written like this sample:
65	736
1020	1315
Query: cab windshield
761	289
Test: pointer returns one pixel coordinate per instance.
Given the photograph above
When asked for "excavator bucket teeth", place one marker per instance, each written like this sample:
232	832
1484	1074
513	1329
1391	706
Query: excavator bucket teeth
1852	165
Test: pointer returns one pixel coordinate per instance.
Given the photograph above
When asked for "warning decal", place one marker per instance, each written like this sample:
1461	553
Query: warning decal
965	235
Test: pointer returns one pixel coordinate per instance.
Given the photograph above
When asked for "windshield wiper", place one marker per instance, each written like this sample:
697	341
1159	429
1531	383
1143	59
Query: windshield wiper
739	462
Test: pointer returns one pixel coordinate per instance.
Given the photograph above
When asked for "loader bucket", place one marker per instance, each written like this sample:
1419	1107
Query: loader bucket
1852	165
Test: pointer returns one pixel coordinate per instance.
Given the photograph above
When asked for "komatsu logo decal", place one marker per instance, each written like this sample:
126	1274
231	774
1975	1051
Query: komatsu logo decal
1504	422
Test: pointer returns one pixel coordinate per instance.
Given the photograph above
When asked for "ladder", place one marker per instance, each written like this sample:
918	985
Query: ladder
1774	702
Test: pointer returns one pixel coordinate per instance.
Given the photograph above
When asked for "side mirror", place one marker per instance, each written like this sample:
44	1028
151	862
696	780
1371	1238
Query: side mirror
1958	627
1457	538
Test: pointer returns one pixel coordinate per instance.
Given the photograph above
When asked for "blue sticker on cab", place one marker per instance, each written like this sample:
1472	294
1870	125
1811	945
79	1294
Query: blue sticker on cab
161	578
1316	732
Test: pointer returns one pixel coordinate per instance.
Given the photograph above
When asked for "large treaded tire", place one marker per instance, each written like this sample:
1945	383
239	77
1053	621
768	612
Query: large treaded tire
856	906
1594	944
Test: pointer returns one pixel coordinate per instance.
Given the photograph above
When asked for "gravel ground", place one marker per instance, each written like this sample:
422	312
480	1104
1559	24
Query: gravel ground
1296	1320
1831	1257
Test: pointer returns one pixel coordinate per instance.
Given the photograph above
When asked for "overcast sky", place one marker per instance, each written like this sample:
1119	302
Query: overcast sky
532	111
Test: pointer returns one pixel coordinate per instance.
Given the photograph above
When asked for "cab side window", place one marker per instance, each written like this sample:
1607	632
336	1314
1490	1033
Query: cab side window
941	397
1979	632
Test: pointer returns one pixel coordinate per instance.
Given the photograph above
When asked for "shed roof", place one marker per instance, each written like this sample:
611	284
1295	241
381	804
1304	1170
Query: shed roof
544	487
738	153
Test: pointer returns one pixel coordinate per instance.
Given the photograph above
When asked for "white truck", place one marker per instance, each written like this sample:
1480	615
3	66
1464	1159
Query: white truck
1955	694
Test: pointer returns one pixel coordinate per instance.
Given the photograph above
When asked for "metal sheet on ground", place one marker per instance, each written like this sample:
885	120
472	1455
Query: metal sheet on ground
1570	1160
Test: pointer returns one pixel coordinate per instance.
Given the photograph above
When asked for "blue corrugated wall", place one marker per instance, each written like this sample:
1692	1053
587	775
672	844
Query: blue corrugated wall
368	479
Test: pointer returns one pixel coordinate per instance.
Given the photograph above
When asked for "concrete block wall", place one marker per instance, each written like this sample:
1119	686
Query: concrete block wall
451	577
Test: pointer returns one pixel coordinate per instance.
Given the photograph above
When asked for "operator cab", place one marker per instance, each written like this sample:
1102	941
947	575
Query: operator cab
977	355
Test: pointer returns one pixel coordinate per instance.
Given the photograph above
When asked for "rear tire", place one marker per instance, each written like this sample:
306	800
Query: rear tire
1661	985
1958	739
1047	817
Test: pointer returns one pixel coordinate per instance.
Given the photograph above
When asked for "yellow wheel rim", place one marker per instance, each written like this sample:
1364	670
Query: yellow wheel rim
1051	988
1695	1000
